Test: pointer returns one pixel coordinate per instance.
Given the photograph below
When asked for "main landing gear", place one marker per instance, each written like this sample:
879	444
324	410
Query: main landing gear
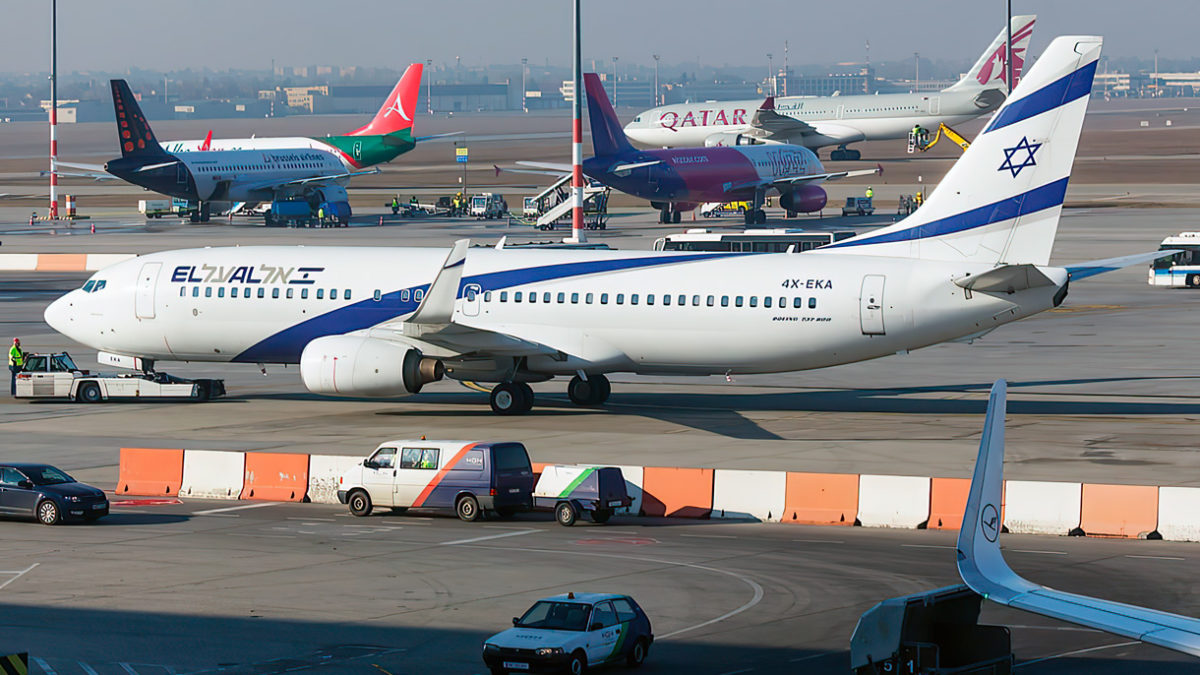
755	214
842	154
592	391
668	215
516	398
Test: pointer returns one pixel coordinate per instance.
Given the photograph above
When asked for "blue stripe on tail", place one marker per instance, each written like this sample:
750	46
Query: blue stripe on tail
1058	93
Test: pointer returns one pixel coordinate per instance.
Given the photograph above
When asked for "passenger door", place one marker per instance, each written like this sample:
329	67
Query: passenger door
471	293
378	476
13	497
871	304
603	633
418	468
143	301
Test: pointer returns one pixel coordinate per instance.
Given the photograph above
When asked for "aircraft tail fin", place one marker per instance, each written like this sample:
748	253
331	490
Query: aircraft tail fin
1000	203
133	130
608	136
990	70
398	109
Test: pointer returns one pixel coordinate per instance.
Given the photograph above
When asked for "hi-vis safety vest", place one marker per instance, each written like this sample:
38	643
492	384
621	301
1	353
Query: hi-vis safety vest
16	357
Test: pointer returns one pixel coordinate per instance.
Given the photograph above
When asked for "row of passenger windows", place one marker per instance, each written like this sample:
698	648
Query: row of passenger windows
255	167
290	293
665	299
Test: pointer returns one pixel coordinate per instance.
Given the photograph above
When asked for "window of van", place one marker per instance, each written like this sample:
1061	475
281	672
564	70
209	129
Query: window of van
510	457
419	458
384	458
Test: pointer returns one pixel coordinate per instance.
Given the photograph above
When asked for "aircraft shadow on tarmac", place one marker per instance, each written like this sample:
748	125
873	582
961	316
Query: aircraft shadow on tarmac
722	413
259	644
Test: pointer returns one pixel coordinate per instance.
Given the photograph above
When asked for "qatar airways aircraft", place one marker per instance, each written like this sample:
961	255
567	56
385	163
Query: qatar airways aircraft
817	122
383	321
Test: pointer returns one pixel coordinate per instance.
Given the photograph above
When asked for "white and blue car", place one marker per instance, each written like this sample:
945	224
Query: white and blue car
570	634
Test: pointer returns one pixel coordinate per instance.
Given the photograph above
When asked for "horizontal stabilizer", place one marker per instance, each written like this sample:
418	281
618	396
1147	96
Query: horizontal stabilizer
437	307
1090	269
1006	279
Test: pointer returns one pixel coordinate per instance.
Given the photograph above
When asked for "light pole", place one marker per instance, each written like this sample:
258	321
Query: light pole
1008	53
656	57
1156	73
429	86
785	70
54	110
917	85
770	72
614	82
577	235
524	108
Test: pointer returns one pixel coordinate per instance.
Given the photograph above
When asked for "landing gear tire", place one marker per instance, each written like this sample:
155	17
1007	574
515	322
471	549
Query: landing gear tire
760	217
205	213
566	514
664	216
791	214
467	508
853	155
360	503
194	217
589	392
676	216
512	398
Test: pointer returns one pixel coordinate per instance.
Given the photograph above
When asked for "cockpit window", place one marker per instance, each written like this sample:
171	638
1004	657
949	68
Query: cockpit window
94	285
638	118
87	288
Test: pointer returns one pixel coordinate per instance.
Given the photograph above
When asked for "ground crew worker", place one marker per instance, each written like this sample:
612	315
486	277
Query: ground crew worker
920	199
870	192
395	204
16	361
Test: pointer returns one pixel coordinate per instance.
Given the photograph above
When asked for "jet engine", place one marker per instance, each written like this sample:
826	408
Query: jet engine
804	199
348	365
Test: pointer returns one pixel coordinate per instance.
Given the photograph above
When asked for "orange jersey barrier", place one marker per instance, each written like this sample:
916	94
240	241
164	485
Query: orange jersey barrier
948	502
1119	510
62	262
150	471
679	493
821	498
276	477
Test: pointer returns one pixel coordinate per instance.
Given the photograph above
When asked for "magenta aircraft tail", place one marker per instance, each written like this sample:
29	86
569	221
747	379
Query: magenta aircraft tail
608	137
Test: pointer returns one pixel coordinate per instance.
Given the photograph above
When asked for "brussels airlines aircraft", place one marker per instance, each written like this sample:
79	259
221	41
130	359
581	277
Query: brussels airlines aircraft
380	321
267	169
679	180
816	122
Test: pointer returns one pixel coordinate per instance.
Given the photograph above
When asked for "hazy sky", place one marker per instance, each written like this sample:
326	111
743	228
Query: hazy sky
114	35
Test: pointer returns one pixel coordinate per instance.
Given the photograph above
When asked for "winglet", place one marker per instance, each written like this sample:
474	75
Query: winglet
980	563
438	305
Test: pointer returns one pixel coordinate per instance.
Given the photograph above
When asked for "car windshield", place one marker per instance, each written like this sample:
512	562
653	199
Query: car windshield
553	615
46	475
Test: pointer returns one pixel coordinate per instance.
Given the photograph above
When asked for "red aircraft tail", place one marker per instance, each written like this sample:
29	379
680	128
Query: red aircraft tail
399	108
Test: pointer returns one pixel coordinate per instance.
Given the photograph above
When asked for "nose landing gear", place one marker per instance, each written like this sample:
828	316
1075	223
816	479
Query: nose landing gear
512	398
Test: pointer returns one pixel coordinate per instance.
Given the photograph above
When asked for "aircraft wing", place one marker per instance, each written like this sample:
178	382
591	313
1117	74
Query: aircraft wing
767	122
982	566
548	166
825	177
276	184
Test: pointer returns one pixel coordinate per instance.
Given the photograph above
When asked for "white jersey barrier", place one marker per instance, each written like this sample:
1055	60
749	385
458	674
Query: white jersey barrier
1041	507
213	474
893	501
749	494
1179	513
324	471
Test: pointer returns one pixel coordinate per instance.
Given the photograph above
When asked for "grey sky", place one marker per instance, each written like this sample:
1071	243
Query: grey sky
114	35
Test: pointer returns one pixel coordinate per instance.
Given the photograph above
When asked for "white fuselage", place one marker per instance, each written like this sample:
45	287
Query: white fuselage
264	143
834	119
251	175
598	311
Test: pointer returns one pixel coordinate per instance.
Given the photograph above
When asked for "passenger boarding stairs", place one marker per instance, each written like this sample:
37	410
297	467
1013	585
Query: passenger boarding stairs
554	202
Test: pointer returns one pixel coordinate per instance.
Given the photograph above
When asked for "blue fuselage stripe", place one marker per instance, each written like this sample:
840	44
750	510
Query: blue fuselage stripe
1038	199
1058	93
286	345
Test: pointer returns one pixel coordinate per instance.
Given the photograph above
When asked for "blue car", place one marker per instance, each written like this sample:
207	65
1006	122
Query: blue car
48	494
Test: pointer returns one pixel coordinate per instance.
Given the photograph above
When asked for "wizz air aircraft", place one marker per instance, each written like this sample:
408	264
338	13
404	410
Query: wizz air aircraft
982	566
261	169
681	179
381	321
817	122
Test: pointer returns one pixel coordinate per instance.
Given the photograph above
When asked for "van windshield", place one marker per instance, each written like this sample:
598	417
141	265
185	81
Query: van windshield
510	457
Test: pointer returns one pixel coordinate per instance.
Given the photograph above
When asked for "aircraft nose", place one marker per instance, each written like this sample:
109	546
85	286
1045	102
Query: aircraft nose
59	315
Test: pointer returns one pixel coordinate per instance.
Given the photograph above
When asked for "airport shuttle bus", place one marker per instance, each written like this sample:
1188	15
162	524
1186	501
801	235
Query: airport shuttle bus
1181	270
749	241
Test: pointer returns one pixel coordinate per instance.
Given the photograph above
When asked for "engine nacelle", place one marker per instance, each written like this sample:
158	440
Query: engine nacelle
804	199
728	139
348	365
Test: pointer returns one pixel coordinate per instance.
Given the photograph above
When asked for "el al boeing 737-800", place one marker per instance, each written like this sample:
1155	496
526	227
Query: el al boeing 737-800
261	169
817	122
381	321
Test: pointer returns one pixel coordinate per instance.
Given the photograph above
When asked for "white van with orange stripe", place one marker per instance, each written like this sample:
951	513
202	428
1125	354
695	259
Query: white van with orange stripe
470	477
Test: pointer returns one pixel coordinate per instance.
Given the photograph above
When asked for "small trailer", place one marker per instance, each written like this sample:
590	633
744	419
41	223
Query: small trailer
572	490
57	376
